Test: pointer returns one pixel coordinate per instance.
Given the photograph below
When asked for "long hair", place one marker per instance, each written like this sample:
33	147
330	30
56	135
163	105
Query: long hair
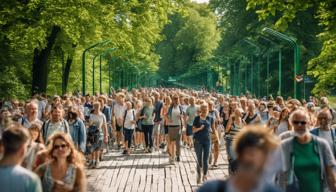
74	157
36	127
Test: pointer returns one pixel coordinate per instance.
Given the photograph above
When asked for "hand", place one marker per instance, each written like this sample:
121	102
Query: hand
61	186
202	127
133	122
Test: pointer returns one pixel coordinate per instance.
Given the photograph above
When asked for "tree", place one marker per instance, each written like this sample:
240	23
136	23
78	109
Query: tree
190	37
322	67
41	36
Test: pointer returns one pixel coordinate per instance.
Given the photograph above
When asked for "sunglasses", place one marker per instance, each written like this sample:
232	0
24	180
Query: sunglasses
299	122
63	146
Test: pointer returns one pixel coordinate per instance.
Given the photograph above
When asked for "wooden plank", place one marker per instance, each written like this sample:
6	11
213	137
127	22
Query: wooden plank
150	172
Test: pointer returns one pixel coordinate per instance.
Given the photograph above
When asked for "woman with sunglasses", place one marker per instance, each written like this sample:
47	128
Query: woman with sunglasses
308	161
64	172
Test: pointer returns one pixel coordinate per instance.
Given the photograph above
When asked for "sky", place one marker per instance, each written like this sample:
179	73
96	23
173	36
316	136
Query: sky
201	1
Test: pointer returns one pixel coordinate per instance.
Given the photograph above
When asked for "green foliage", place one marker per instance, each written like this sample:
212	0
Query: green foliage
132	26
191	37
322	67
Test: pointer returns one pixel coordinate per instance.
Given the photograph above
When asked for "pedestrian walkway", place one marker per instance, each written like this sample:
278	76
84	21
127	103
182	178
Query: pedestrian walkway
150	172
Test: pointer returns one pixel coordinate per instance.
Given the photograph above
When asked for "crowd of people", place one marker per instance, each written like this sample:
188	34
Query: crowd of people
271	144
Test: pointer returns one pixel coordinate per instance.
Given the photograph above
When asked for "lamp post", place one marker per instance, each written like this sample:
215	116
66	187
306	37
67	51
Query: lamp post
83	61
294	44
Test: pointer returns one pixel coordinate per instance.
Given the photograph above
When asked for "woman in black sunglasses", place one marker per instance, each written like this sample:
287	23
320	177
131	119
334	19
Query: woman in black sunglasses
65	171
307	160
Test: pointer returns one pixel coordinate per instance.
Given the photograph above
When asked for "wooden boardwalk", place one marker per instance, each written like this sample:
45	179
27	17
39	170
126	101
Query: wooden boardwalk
144	172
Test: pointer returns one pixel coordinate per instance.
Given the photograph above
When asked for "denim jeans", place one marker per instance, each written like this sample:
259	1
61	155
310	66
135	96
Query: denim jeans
202	149
148	131
128	133
230	154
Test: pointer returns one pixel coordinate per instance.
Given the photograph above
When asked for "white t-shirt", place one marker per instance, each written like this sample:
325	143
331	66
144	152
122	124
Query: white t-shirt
55	128
119	110
175	119
327	136
130	116
98	120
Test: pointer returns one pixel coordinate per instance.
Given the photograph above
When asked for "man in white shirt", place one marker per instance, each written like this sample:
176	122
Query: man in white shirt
31	115
119	112
55	124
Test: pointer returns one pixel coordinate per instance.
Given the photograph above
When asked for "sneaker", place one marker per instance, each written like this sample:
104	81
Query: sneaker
149	150
178	158
124	152
171	161
96	164
93	165
161	146
90	166
146	150
204	178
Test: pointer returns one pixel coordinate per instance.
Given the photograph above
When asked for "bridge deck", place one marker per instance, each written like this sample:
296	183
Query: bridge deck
150	172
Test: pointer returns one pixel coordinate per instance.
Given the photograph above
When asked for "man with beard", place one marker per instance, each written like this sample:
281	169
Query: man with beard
31	116
308	161
325	130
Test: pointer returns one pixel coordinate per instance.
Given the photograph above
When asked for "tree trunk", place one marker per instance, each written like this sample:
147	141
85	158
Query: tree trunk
41	65
66	73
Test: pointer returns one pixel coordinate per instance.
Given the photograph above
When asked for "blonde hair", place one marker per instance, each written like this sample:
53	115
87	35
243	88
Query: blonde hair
74	157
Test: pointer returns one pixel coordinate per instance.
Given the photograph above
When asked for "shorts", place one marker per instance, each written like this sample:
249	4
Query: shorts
162	129
119	128
174	133
189	130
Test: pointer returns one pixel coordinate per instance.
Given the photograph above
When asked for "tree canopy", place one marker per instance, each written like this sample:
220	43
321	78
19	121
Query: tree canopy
42	43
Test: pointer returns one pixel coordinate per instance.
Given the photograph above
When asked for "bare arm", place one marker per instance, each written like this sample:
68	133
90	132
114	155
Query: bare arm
229	125
331	178
40	170
80	182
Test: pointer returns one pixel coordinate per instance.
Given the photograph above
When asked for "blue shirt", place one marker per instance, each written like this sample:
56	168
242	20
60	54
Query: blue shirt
18	179
157	110
204	134
220	185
